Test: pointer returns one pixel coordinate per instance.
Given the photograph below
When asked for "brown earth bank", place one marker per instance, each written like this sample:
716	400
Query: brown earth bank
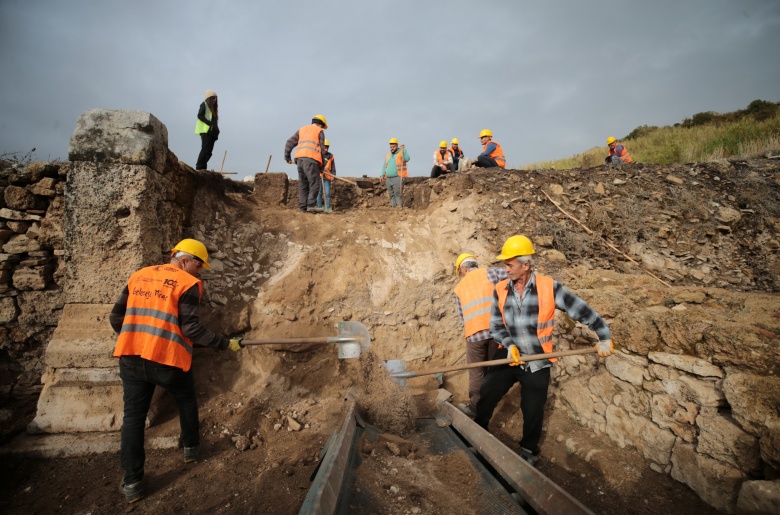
708	232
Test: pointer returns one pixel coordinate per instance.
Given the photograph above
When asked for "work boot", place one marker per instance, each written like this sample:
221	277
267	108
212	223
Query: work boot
315	209
191	453
529	456
132	493
466	410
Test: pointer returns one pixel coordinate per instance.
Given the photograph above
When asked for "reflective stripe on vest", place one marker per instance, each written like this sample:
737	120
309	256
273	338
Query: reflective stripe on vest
497	154
309	143
400	164
439	158
475	292
151	327
622	153
545	321
200	127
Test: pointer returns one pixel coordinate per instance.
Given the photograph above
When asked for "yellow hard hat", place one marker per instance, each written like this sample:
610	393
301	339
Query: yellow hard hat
322	119
455	141
193	248
461	259
485	132
442	144
611	140
393	141
327	143
515	246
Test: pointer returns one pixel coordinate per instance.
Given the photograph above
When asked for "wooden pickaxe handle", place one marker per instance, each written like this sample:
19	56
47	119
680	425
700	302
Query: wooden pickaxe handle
314	339
493	363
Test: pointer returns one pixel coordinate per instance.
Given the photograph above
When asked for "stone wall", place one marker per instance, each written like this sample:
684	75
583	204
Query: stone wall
694	388
32	247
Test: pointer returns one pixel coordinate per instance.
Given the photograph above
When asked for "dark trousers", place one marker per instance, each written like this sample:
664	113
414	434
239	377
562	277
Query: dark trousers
481	350
437	171
308	183
533	395
206	148
485	162
139	378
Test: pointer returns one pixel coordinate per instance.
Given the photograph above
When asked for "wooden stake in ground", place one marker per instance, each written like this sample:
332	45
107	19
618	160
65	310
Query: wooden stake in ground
268	163
223	161
605	241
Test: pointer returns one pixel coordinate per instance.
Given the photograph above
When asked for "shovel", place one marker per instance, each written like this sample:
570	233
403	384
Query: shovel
353	340
399	375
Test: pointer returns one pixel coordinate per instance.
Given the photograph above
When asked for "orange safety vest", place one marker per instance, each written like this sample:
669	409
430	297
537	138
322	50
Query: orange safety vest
309	143
475	292
497	154
623	155
400	164
326	171
456	153
545	322
439	158
151	325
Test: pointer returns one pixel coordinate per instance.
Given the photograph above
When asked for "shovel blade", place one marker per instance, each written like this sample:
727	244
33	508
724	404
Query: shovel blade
396	366
353	330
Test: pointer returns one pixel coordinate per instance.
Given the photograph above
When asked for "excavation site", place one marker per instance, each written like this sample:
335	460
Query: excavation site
321	414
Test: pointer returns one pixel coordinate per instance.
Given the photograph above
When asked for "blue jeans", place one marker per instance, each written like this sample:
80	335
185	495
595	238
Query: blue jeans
139	378
326	191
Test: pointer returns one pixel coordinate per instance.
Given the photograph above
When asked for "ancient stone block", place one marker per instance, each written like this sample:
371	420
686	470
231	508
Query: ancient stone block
39	310
689	364
753	400
119	136
759	498
12	214
716	483
628	368
629	429
31	278
687	389
722	439
44	187
20	244
83	338
20	198
669	414
52	232
8	310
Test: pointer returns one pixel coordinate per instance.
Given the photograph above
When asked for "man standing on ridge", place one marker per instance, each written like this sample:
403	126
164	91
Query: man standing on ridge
394	171
474	295
310	158
207	128
328	171
156	317
492	155
522	320
442	161
459	161
618	154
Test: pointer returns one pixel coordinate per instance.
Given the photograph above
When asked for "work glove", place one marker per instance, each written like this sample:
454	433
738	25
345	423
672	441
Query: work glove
514	353
235	344
606	348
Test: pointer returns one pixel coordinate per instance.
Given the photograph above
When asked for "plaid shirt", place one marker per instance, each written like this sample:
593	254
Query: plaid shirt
495	275
522	311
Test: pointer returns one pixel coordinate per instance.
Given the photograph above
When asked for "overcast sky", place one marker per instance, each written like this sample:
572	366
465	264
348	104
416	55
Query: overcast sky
549	78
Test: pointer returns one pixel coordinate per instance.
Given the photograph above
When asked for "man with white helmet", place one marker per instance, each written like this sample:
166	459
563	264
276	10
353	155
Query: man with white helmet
522	319
474	295
207	128
156	317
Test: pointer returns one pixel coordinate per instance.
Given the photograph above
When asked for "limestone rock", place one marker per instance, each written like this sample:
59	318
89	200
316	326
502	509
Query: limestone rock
759	498
52	233
20	198
31	278
689	364
753	400
728	215
722	439
691	297
629	429
716	483
689	389
21	244
679	418
8	310
628	368
119	136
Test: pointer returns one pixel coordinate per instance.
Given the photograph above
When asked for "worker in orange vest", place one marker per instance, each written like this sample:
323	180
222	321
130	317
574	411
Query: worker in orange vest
474	295
459	161
522	320
442	161
492	155
618	154
394	172
310	160
156	317
327	176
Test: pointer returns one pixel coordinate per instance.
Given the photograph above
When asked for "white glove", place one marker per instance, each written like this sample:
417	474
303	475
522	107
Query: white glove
606	348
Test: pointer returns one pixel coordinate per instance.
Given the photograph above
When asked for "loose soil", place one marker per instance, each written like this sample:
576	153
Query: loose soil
267	412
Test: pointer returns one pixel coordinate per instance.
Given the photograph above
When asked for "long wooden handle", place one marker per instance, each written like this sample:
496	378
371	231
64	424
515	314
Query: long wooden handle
343	179
532	357
314	339
268	163
223	161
